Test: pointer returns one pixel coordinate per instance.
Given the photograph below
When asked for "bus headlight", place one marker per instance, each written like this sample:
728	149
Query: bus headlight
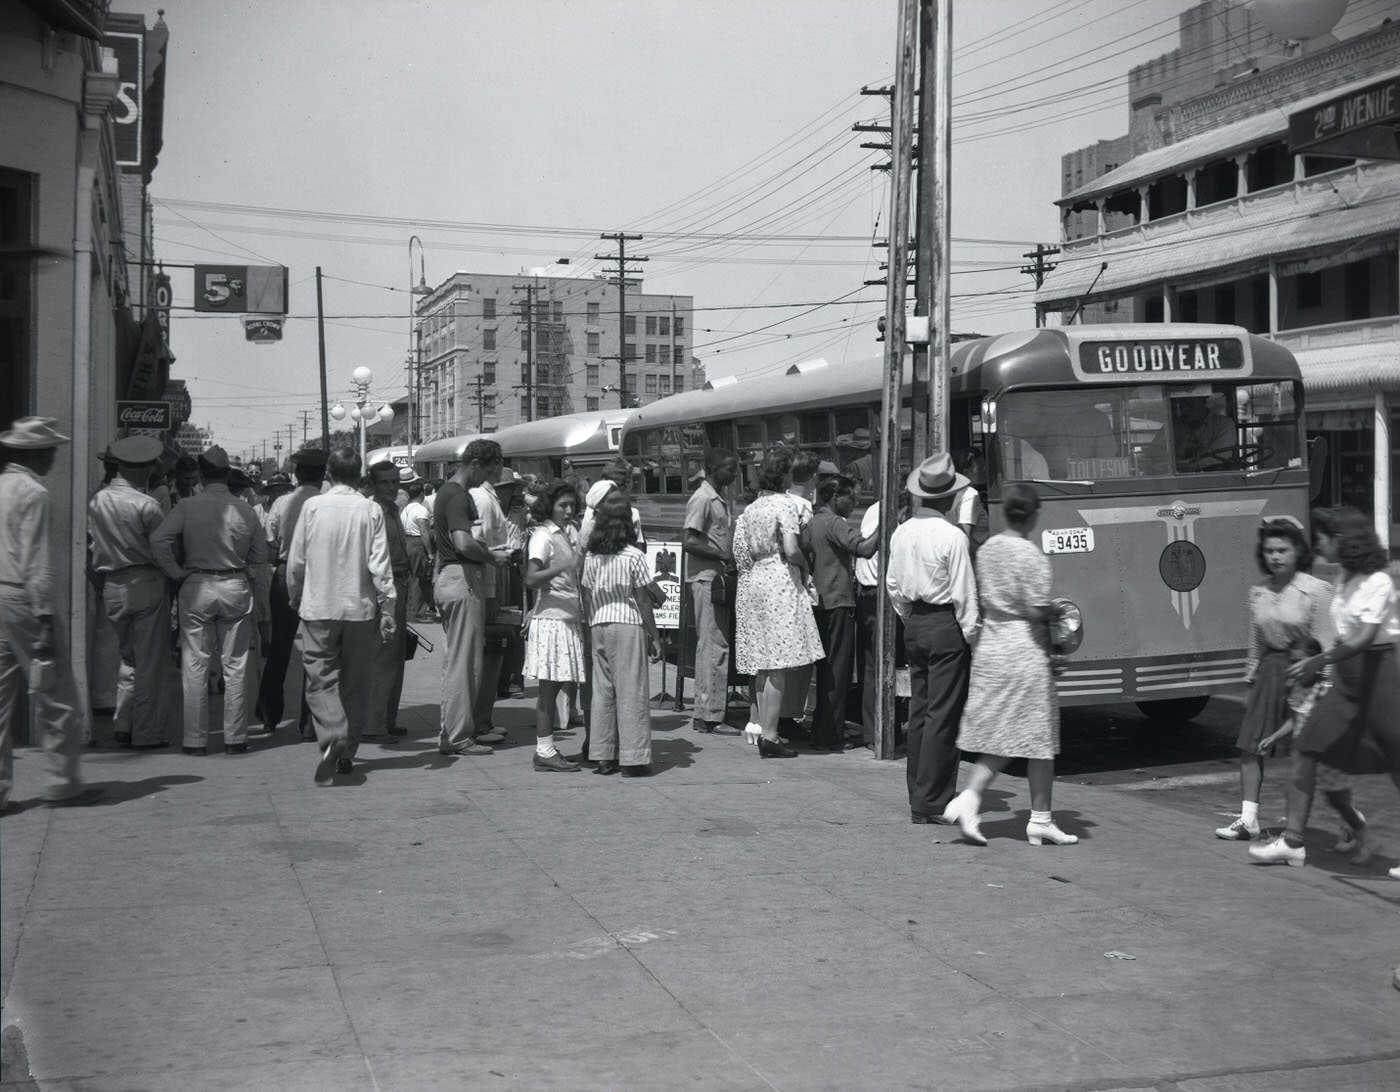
1067	630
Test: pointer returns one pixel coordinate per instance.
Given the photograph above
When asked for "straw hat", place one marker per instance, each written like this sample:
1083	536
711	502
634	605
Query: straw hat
32	433
935	477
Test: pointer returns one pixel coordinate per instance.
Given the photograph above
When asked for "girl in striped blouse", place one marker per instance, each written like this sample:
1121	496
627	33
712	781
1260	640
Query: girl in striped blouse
618	597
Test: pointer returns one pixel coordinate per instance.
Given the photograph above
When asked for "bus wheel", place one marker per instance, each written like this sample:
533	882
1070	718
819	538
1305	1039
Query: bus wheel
1173	709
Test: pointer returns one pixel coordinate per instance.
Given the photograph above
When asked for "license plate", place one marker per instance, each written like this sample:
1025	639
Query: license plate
1068	540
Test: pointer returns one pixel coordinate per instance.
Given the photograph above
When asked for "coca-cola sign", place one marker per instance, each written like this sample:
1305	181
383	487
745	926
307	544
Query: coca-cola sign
154	416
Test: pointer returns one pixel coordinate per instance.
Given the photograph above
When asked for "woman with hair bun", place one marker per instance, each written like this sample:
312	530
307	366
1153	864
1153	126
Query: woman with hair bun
1355	726
1011	710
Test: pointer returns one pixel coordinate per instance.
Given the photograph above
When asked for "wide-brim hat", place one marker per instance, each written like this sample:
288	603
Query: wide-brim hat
238	478
935	477
215	456
136	450
408	476
279	480
32	434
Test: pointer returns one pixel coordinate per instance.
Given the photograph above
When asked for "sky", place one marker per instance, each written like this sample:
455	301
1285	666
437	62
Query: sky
508	133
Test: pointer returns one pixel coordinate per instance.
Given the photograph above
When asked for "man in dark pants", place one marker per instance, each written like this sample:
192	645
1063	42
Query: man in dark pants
932	587
281	524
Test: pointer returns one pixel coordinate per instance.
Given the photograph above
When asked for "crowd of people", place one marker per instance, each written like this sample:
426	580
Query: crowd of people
335	566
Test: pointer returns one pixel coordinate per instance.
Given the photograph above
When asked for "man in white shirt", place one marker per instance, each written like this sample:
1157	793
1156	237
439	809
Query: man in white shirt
932	588
342	586
417	528
495	532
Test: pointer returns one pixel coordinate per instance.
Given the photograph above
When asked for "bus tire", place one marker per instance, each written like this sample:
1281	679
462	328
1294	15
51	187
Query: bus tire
1168	710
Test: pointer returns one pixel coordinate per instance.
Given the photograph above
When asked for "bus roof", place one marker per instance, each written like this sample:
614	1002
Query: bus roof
572	435
1052	356
398	454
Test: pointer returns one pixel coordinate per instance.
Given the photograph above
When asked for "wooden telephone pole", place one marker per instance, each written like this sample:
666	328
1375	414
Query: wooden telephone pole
527	315
621	239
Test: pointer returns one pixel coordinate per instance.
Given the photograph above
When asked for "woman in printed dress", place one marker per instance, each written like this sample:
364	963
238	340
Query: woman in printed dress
554	648
774	627
1011	710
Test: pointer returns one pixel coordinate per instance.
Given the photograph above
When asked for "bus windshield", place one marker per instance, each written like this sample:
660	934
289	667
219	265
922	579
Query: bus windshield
1096	434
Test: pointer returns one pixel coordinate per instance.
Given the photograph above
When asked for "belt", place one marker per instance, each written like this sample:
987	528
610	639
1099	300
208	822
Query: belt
128	568
920	607
866	589
219	572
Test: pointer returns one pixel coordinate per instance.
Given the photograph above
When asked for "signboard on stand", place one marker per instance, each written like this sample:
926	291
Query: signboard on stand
664	564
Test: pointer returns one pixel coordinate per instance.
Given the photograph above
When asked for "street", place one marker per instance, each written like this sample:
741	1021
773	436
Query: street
731	923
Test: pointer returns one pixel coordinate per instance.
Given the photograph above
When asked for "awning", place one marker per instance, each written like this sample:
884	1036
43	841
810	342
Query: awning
1363	369
1352	205
1238	136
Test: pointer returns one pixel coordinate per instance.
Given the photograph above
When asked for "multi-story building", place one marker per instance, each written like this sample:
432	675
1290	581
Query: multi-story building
1206	212
482	366
79	131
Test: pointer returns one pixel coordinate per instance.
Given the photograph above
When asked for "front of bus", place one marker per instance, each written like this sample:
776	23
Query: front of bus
1157	451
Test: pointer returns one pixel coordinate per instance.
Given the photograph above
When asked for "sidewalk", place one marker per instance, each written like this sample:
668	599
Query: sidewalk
731	923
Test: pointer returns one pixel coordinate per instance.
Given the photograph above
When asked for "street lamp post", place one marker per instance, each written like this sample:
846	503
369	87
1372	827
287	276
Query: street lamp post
415	362
360	412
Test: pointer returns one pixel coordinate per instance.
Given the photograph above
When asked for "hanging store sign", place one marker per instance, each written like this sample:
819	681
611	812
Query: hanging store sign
262	331
144	417
241	289
1362	123
130	50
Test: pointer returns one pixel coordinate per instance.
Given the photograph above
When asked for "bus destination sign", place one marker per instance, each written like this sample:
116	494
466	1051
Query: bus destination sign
1135	359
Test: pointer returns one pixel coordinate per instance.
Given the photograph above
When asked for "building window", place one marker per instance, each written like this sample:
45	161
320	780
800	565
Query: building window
594	344
680	383
629	325
488	372
488	403
591	372
651	353
542	374
664	325
665	351
651	384
488	308
592	314
590	403
680	326
542	406
629	351
558	310
524	341
651	326
525	374
665	383
488	340
1310	290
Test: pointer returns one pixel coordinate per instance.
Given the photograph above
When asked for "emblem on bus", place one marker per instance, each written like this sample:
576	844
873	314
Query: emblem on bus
1182	564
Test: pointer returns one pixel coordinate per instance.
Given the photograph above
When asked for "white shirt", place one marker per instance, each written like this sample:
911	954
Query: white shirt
338	566
930	563
412	512
1360	601
868	568
493	527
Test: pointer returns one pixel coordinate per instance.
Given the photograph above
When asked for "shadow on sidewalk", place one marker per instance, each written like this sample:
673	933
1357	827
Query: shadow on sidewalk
667	754
114	792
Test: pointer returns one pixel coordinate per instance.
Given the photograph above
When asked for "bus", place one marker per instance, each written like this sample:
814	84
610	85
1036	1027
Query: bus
1157	451
398	455
578	443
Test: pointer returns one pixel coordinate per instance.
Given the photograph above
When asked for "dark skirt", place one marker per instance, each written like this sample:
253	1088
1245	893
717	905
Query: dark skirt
1266	708
1355	726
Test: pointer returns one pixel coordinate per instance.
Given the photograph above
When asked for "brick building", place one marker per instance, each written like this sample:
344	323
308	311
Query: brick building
483	368
1205	212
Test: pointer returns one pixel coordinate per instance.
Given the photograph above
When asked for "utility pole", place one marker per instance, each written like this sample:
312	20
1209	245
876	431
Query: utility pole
621	239
1037	269
932	229
480	404
305	426
527	313
321	347
674	361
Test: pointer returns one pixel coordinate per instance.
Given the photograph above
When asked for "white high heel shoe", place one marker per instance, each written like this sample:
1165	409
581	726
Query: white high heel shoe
961	810
752	732
1039	833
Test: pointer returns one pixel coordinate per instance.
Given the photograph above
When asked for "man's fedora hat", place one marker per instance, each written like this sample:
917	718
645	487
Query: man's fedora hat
136	450
215	456
32	433
935	477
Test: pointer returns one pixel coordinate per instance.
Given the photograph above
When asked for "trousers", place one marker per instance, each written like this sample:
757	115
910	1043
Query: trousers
339	660
711	657
387	687
57	714
217	611
420	583
620	721
939	669
837	627
461	598
135	603
279	655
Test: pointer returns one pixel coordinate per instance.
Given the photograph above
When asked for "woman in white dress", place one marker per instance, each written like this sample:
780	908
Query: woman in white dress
554	649
1011	710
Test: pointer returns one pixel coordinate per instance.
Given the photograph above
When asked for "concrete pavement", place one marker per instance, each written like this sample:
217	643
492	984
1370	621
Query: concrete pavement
460	923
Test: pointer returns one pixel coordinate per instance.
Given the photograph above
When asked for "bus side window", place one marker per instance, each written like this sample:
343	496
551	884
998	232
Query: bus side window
672	479
749	449
856	450
650	446
693	455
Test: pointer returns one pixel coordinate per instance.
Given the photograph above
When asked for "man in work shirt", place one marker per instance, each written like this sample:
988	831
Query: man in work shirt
932	588
310	467
418	532
389	658
340	583
121	519
494	531
221	579
28	631
708	540
460	592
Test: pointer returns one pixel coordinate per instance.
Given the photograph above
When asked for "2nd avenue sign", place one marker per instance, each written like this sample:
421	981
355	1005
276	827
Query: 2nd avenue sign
147	416
1361	123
